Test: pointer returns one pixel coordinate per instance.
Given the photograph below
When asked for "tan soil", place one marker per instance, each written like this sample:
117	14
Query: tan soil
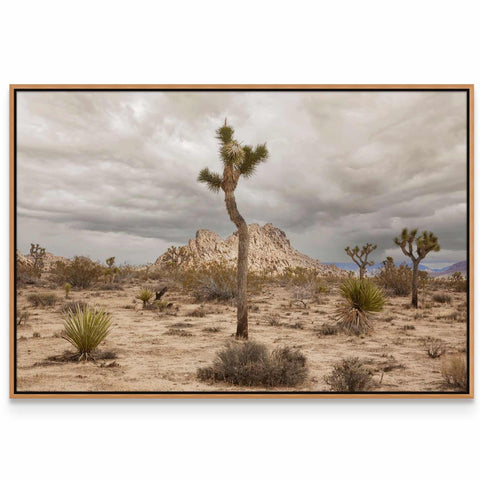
150	360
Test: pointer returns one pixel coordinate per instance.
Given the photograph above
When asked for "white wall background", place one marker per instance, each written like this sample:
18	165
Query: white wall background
227	42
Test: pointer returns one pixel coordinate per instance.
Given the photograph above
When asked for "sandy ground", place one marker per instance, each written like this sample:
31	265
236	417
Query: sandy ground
149	359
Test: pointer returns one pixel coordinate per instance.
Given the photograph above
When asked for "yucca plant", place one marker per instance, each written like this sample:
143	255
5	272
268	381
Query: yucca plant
145	296
360	298
67	288
85	328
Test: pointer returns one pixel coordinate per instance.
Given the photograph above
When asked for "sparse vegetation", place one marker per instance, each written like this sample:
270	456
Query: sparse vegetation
42	299
350	375
85	328
73	306
250	364
67	288
22	317
326	330
361	298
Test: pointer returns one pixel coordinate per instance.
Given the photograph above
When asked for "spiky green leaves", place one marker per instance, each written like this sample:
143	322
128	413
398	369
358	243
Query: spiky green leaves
425	243
360	298
252	159
212	180
85	328
225	134
232	153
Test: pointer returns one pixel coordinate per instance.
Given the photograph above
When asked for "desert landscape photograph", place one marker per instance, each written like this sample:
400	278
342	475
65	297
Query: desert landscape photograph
235	241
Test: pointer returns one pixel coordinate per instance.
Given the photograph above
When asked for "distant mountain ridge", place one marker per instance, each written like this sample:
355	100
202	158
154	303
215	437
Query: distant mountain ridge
435	272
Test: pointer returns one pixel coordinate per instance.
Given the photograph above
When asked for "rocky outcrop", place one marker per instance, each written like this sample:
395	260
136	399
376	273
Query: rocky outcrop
269	251
49	260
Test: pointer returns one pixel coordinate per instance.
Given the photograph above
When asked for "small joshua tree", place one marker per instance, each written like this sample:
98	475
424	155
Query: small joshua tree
360	257
422	244
37	252
111	269
237	160
67	287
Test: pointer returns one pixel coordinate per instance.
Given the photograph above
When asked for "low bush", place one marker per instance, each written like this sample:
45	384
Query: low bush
442	298
326	329
145	296
250	364
397	280
350	375
434	347
85	328
80	272
73	306
22	317
42	299
454	371
214	281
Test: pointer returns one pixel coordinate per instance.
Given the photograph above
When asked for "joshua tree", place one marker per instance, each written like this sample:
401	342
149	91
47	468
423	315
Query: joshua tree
424	243
360	257
237	160
37	253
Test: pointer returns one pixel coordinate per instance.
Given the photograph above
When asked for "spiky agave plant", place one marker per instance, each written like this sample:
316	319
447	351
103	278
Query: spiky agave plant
85	328
360	298
145	296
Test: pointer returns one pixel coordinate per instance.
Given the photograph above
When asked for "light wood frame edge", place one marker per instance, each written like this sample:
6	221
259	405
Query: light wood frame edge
469	87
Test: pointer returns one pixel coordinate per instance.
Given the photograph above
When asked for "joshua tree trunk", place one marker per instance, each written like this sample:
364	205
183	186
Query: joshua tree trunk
242	263
415	284
362	273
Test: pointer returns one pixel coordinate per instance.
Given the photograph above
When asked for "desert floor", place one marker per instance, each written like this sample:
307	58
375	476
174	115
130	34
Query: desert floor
161	352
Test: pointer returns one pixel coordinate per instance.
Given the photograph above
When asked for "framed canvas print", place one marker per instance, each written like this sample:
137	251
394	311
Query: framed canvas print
245	241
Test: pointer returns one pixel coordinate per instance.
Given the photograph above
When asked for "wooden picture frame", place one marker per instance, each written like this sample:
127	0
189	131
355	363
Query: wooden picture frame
18	393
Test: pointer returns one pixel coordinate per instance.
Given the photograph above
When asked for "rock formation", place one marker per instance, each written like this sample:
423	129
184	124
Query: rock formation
269	251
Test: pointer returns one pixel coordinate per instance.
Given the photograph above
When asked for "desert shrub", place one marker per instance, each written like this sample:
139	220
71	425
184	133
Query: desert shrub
73	306
161	305
442	298
273	321
350	375
67	288
145	296
178	332
80	272
360	298
42	299
434	347
214	281
397	280
457	282
454	371
85	328
250	364
326	329
211	329
198	312
308	280
25	274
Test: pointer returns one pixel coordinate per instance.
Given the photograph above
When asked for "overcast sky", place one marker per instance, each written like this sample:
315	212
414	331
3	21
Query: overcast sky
114	173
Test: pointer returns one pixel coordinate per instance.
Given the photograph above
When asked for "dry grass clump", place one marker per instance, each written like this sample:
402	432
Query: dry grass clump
211	329
22	317
454	371
350	375
42	299
73	306
197	313
360	298
178	332
326	330
250	364
442	298
434	347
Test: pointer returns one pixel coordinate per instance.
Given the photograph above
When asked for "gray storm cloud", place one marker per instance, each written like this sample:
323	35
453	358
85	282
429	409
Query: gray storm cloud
114	173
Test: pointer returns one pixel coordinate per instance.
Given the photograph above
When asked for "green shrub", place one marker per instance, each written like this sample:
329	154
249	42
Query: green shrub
360	298
145	296
67	288
214	281
350	375
396	280
85	328
80	272
454	371
42	299
250	364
